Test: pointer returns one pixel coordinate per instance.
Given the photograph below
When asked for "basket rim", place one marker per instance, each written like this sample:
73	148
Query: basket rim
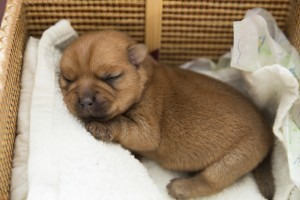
8	25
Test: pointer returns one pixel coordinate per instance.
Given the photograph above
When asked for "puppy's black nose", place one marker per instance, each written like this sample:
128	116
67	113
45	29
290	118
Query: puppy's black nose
87	102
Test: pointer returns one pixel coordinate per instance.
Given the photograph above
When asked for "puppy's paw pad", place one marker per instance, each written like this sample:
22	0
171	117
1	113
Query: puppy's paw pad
91	127
99	131
177	189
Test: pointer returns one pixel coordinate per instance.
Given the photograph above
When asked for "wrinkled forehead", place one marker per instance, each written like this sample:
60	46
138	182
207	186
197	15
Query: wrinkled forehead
96	50
106	53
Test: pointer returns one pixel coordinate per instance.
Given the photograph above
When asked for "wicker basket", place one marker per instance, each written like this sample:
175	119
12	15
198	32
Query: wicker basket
181	30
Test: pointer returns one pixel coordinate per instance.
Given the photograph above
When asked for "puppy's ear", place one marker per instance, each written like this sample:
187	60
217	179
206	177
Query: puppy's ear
137	53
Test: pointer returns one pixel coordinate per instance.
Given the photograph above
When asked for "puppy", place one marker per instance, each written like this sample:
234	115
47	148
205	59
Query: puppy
183	120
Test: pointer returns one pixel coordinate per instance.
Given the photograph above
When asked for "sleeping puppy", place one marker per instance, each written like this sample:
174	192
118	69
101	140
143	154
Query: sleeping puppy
183	120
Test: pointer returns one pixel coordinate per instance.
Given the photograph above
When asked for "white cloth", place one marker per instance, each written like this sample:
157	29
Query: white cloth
19	182
272	71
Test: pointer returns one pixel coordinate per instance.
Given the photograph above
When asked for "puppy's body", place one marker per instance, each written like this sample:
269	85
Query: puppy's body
200	120
183	120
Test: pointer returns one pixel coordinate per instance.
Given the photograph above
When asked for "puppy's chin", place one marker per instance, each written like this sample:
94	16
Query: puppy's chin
88	119
91	116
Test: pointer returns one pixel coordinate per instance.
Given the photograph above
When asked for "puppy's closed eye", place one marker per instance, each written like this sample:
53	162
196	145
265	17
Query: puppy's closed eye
65	82
68	80
111	78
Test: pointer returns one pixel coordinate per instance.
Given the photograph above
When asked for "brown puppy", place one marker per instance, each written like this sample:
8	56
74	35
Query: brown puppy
183	120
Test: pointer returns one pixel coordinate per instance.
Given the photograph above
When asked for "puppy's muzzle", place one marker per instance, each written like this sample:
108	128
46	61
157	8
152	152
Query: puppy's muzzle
91	106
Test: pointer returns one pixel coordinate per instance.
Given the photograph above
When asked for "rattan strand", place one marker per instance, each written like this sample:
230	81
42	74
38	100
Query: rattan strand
9	101
293	24
127	16
210	32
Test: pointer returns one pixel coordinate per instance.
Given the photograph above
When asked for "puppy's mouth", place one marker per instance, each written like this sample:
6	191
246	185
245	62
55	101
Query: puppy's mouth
97	113
93	119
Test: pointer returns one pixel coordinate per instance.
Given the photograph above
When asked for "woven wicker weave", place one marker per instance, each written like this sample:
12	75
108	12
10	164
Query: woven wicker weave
182	30
12	40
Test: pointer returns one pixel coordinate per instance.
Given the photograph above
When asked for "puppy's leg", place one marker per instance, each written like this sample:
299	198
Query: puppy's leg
136	135
216	176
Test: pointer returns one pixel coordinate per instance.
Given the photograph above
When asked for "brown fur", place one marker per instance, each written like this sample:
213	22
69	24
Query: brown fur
183	120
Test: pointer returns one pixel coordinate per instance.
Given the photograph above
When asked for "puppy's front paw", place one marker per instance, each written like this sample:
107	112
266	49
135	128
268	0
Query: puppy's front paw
177	189
99	131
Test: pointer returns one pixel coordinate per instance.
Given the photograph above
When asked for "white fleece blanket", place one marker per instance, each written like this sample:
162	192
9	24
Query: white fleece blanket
65	162
19	183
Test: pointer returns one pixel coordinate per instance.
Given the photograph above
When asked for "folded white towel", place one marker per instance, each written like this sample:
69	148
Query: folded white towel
19	182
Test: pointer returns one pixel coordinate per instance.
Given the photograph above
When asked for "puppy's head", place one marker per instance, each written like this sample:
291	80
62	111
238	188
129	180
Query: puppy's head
102	75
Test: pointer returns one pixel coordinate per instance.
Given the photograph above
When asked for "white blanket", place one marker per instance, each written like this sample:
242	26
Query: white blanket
65	162
271	68
19	182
